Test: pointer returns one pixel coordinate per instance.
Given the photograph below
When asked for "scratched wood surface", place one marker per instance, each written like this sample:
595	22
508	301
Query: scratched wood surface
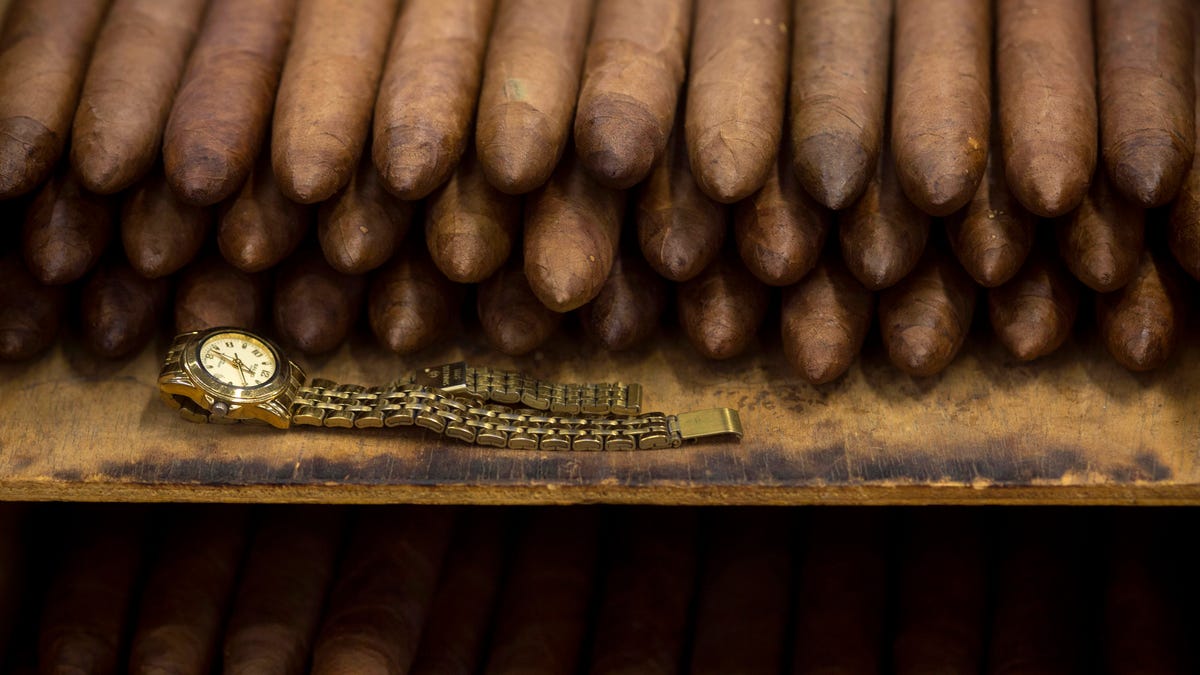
1074	428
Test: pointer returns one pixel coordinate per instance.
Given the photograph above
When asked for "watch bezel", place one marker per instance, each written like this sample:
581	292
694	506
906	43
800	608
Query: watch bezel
218	390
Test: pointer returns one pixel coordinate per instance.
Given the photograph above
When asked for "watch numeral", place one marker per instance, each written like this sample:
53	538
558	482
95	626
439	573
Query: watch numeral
228	344
265	373
256	353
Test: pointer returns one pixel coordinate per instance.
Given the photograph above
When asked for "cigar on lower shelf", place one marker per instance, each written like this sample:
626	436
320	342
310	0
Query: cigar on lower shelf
260	227
470	226
542	618
824	320
627	310
360	227
1033	312
210	293
410	304
925	318
30	312
120	310
720	310
641	625
66	230
383	591
883	234
315	305
1101	240
160	233
187	590
281	593
514	321
1141	322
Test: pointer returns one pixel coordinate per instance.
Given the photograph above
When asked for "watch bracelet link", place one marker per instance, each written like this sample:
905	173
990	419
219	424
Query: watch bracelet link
512	388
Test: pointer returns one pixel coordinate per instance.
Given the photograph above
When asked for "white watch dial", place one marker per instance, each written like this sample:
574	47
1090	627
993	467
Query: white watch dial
237	359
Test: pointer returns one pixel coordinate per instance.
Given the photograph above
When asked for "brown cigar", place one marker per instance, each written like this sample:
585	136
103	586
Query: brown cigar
220	115
925	318
470	226
942	599
631	81
187	591
843	583
1033	312
736	88
642	622
138	62
1183	232
120	309
514	321
680	230
427	96
261	227
30	312
991	236
1144	55
46	48
1141	322
543	612
213	293
741	612
780	230
282	590
824	321
572	227
66	230
361	225
454	637
720	310
882	235
1046	93
530	79
327	94
384	588
161	234
1102	240
629	306
840	57
941	100
315	305
410	303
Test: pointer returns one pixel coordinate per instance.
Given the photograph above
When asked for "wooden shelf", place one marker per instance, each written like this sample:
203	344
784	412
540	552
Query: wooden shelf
1074	428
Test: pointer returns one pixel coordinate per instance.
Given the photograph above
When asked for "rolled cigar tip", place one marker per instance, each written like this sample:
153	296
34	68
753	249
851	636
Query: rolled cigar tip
1100	271
55	261
203	179
820	364
561	284
996	264
98	169
355	659
939	190
28	151
616	142
877	266
1149	174
914	350
407	329
19	342
733	168
1026	340
1050	185
408	162
517	168
833	167
1143	351
308	177
465	265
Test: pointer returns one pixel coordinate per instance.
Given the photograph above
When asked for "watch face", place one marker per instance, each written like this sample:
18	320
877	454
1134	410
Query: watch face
238	359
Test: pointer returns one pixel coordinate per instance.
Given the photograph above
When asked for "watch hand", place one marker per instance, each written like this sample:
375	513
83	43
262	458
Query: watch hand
236	362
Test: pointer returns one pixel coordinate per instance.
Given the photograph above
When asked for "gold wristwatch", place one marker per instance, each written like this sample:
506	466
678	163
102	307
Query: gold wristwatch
231	375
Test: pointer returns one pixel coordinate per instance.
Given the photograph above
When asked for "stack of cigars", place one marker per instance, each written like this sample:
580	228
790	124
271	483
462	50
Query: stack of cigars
305	162
193	590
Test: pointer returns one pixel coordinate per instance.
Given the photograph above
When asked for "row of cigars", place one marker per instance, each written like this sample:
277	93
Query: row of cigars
202	589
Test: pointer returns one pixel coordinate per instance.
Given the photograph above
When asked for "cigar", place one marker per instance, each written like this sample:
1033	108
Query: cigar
454	639
360	227
160	233
514	321
261	227
1102	240
925	318
883	234
315	305
631	81
282	589
642	622
30	312
627	310
120	309
213	293
572	227
410	302
470	226
680	230
383	591
780	230
66	230
543	612
46	48
720	310
1140	323
187	591
1033	312
824	320
1183	230
741	614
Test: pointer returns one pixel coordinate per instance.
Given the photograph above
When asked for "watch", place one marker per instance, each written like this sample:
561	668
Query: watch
231	375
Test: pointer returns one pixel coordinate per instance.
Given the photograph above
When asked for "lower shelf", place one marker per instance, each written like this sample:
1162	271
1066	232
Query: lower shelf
1072	428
